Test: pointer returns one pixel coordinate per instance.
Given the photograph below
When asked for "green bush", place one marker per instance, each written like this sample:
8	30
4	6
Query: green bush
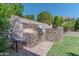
77	30
6	10
68	25
58	21
76	24
3	44
30	17
65	27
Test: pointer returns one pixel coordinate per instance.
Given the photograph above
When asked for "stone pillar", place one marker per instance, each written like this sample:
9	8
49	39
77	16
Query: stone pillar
16	28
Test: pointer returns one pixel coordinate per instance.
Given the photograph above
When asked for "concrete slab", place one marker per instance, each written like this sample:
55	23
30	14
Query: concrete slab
40	49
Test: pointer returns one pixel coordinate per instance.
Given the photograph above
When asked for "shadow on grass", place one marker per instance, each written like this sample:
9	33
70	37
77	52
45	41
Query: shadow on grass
72	54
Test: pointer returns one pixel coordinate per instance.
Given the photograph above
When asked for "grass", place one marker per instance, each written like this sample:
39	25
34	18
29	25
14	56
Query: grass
69	47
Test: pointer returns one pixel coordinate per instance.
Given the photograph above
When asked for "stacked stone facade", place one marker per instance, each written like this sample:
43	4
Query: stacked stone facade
32	38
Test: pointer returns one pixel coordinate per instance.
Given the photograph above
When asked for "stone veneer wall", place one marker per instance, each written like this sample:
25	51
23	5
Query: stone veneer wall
49	35
55	34
58	34
33	39
16	28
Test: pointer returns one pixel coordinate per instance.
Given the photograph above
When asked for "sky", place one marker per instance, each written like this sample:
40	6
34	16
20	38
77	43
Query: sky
56	9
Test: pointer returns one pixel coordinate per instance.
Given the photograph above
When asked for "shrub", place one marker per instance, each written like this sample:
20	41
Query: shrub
58	21
77	30
76	24
68	25
2	45
6	10
30	17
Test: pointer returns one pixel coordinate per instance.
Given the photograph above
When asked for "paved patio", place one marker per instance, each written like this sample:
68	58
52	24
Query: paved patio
41	49
38	50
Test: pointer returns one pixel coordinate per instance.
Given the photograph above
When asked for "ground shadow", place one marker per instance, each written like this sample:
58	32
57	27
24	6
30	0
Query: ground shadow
72	54
22	52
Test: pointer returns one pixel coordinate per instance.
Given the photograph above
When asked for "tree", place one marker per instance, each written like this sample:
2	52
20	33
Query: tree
68	25
31	17
45	17
76	24
17	9
6	10
58	21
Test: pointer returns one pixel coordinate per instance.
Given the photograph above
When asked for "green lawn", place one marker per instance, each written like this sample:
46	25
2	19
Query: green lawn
70	46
